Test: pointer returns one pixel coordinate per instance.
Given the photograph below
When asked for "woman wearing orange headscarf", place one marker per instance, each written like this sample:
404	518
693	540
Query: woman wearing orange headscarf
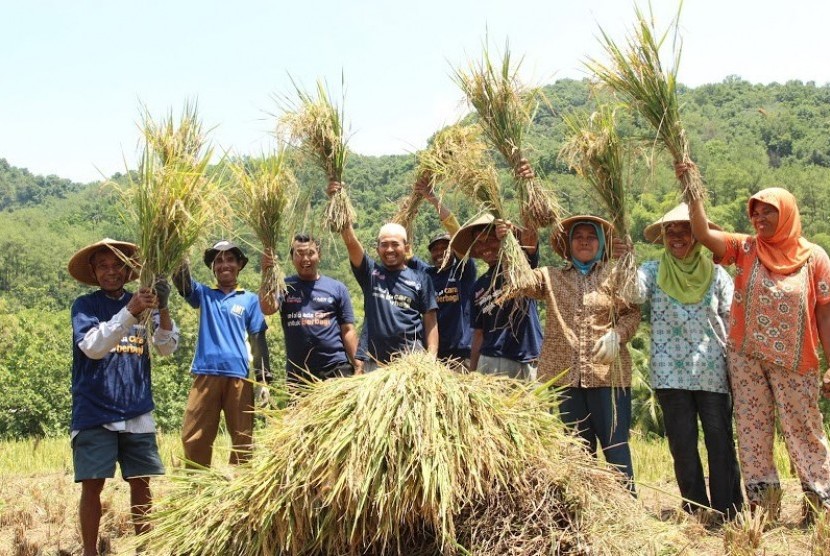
780	316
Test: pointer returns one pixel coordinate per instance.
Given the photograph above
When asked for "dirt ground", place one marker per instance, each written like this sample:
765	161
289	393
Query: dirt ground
38	516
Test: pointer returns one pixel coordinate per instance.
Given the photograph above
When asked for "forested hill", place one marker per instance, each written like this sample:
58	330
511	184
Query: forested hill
19	188
744	137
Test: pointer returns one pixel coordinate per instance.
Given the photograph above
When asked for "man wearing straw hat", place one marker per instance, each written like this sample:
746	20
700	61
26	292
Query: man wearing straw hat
507	337
230	321
112	399
399	302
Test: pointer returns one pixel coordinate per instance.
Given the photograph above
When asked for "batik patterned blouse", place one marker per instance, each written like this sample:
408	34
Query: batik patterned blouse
688	341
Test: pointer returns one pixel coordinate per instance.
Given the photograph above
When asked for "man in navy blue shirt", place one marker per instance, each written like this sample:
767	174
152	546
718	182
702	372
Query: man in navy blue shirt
399	302
507	337
317	317
112	398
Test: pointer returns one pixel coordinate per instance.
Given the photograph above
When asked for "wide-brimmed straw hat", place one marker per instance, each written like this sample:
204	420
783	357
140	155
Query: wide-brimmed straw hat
467	234
560	240
680	213
225	245
80	265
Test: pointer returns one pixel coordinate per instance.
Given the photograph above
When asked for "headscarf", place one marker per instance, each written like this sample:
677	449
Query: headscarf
786	251
585	268
686	280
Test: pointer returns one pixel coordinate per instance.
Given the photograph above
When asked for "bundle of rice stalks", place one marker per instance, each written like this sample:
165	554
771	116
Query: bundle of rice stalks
316	125
505	109
637	75
594	150
409	207
171	201
266	192
411	459
457	158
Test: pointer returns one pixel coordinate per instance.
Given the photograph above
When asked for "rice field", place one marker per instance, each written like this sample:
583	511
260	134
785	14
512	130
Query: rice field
38	500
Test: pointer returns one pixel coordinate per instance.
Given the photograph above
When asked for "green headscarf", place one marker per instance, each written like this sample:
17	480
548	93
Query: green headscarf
686	280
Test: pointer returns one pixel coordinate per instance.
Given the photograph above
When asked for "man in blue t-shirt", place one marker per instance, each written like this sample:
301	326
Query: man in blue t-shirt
112	398
317	317
507	337
230	321
399	302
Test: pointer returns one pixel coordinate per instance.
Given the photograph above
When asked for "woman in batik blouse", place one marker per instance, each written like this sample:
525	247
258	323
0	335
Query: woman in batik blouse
780	316
689	298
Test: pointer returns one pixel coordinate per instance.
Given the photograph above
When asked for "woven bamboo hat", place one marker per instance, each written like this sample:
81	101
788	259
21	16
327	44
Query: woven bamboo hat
80	265
559	240
464	238
680	213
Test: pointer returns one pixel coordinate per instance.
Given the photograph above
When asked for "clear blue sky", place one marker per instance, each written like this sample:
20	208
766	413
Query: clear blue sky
73	72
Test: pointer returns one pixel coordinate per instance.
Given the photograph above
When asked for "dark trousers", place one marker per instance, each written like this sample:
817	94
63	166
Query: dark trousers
681	410
593	416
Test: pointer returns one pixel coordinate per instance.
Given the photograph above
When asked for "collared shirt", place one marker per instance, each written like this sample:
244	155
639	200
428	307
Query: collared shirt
688	341
225	322
580	310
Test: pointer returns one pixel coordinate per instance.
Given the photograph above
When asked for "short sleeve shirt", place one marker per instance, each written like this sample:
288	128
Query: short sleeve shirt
511	330
312	312
688	340
394	302
773	316
225	322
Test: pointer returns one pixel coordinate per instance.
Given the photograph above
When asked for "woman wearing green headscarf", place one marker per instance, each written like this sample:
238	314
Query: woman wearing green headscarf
690	298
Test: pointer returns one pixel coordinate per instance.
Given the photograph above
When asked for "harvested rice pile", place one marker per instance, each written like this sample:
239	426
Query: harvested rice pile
413	459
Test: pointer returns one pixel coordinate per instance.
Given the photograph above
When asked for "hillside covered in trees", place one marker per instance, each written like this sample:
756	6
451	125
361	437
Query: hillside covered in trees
744	137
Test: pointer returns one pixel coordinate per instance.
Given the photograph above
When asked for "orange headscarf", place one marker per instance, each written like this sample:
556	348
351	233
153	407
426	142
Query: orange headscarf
786	251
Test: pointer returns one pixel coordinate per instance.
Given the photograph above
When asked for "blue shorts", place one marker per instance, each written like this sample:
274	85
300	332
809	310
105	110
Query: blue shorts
95	451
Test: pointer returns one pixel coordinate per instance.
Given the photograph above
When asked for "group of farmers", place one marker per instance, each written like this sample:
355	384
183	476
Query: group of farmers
714	344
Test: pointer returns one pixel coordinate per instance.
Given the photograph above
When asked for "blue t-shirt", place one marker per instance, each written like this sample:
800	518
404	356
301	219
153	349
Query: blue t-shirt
453	292
225	322
312	313
511	330
117	387
394	302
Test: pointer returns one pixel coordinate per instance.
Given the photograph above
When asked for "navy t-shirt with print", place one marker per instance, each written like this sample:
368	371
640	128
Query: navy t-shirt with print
312	312
511	330
394	302
453	292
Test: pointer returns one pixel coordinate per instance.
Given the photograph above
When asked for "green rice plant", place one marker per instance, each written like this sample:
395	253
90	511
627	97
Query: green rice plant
596	152
636	73
457	158
416	458
170	200
316	125
266	192
505	111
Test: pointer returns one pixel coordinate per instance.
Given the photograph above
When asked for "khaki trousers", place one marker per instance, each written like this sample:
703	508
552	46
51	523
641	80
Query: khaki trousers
209	396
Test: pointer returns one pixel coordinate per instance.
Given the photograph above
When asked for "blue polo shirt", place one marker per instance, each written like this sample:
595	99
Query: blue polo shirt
118	386
511	330
394	302
225	321
312	312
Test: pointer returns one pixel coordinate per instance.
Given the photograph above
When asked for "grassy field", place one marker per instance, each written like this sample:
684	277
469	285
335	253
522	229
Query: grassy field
38	502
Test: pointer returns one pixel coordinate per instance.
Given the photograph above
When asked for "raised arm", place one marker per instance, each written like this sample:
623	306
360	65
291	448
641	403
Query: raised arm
268	303
713	240
353	245
424	186
528	237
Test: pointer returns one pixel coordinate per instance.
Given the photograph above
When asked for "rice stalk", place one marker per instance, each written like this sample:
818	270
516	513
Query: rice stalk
316	125
594	150
266	193
407	460
505	110
457	158
170	200
409	208
636	73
